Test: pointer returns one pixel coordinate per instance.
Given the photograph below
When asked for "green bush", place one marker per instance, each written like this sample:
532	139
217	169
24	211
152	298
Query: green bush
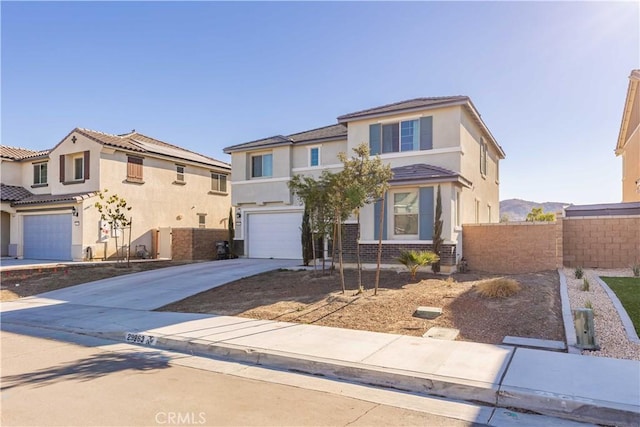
579	273
585	284
636	270
413	260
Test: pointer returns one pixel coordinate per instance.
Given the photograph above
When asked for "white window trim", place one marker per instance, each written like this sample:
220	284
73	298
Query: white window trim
73	167
260	154
211	173
309	149
46	177
183	173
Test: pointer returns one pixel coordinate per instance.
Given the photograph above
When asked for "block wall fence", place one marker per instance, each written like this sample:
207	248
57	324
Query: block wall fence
524	247
196	243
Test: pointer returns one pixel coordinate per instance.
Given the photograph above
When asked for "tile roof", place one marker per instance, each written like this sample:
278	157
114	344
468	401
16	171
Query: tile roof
323	133
424	172
12	193
16	153
417	103
138	142
604	209
36	199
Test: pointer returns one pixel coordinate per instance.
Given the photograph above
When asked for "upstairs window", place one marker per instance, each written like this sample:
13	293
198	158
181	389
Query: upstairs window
78	168
134	169
218	182
314	156
39	173
408	135
180	173
262	166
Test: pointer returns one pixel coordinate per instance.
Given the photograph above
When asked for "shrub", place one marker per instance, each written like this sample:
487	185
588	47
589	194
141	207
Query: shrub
413	260
589	305
585	284
636	270
498	287
579	273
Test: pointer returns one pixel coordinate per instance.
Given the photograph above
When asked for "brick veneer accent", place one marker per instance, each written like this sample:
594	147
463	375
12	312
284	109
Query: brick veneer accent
196	243
602	242
512	248
390	251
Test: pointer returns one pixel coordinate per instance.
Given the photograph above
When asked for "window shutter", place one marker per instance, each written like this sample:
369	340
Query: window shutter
376	219
61	167
87	164
426	213
426	133
374	139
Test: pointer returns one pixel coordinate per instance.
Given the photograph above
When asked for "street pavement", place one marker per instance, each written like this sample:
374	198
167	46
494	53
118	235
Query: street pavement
589	389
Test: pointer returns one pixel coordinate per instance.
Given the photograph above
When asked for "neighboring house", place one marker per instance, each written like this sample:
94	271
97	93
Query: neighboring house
629	141
427	141
48	197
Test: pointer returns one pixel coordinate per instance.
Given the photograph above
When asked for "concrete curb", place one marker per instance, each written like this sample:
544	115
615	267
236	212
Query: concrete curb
624	316
567	317
410	381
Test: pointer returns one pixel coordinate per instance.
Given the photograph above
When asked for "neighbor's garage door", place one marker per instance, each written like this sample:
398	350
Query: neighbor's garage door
47	237
274	235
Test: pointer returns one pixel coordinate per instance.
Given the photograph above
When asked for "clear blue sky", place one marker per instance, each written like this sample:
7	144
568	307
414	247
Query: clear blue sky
549	78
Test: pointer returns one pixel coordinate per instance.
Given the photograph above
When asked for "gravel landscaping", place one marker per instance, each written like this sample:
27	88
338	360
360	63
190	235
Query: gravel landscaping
610	333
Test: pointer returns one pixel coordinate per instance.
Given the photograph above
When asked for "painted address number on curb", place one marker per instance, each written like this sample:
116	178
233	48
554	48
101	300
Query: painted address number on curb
140	339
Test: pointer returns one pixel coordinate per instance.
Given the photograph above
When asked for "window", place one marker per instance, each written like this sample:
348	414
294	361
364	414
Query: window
202	220
483	157
78	168
262	166
218	182
314	156
39	173
180	173
405	213
408	135
134	169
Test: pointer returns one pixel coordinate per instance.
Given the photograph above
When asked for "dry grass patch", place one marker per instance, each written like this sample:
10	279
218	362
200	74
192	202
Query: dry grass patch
498	287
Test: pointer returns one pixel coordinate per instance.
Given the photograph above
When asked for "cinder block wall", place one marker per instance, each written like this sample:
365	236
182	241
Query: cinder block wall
196	243
512	248
602	242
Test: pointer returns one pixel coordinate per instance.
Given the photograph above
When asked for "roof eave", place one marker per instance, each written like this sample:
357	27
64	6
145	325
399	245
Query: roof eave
237	148
344	119
434	180
632	93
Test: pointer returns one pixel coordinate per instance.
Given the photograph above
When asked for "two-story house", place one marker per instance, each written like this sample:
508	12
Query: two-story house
48	197
427	141
628	146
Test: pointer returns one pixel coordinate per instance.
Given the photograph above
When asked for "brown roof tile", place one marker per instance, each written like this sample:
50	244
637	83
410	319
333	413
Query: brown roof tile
15	153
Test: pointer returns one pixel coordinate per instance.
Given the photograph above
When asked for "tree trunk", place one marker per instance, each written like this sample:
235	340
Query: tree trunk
129	246
340	255
333	249
360	287
380	228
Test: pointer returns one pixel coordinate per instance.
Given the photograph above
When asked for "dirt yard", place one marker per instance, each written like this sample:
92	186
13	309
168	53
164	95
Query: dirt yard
26	282
308	297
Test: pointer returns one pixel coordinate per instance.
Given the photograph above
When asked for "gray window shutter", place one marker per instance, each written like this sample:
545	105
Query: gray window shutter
61	167
426	133
87	164
426	213
374	139
376	220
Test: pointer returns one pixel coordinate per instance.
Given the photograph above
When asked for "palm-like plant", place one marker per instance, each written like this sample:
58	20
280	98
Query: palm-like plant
413	260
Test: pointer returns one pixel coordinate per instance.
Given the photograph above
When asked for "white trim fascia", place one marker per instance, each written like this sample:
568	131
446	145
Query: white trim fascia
271	209
315	168
403	119
260	180
421	153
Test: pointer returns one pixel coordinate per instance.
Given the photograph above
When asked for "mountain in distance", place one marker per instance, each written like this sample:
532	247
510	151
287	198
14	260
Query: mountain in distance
517	209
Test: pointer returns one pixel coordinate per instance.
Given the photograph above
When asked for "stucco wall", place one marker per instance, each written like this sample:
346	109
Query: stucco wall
631	169
11	172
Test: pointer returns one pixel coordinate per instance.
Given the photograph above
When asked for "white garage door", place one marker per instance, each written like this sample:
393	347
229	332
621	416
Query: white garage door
47	237
274	235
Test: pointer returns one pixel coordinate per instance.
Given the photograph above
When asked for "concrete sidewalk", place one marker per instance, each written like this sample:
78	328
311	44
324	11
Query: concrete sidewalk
582	388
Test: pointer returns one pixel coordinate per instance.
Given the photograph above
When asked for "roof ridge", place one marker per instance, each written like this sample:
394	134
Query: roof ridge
172	146
312	130
100	132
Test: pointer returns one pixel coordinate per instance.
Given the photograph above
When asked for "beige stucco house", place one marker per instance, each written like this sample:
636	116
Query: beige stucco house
628	146
48	197
427	141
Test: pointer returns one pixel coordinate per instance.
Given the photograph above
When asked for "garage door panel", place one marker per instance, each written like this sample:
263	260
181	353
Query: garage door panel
275	235
47	237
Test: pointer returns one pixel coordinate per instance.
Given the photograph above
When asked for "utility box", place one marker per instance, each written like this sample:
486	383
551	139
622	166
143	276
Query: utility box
585	332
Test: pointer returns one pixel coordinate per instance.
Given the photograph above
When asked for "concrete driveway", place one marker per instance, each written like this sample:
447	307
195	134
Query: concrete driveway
149	290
